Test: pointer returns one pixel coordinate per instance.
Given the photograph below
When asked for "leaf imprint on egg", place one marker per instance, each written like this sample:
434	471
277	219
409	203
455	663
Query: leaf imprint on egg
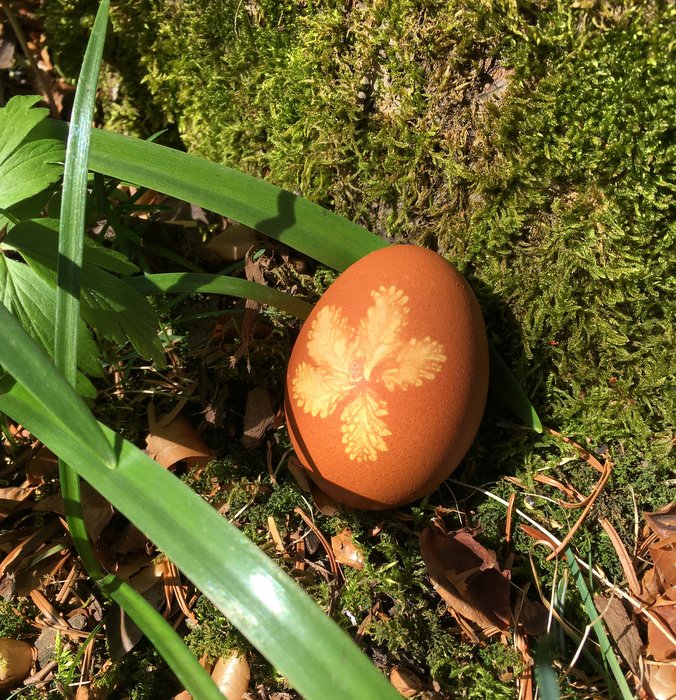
352	366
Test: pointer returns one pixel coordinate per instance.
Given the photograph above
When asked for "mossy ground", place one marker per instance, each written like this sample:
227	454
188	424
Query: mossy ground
532	143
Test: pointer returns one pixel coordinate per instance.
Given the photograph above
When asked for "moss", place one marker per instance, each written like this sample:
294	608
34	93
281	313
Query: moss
531	143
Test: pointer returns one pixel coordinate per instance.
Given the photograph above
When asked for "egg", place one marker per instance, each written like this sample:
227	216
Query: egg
387	380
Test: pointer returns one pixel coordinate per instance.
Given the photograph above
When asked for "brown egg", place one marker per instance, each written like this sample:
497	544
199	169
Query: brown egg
387	381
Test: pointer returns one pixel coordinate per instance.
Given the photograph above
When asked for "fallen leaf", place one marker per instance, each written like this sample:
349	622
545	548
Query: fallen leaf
233	243
41	466
346	551
7	51
664	558
16	660
467	576
659	646
663	521
405	682
533	617
12	497
662	681
95	508
176	440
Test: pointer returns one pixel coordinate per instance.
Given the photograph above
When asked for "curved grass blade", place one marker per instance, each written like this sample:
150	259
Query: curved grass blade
297	222
192	283
71	234
270	609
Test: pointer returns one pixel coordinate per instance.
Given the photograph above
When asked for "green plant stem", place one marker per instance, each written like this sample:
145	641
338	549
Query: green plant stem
189	282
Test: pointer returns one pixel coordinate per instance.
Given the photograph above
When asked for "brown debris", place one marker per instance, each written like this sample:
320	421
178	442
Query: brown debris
347	551
467	576
171	441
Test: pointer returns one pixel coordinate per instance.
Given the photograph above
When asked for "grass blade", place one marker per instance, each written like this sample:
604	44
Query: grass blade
71	234
297	222
505	388
192	283
607	653
270	609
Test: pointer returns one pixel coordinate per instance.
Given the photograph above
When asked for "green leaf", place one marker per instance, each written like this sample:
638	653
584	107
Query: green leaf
33	302
30	364
109	305
607	653
268	607
118	312
27	166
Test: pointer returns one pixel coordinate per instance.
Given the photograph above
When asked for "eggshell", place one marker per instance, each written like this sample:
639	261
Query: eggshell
387	381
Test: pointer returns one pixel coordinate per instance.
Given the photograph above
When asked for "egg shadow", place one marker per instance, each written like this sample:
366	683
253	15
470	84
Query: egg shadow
503	442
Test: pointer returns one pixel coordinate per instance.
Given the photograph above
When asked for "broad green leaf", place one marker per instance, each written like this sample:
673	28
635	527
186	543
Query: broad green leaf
32	300
107	259
117	311
37	239
17	118
29	170
267	606
111	307
27	166
29	363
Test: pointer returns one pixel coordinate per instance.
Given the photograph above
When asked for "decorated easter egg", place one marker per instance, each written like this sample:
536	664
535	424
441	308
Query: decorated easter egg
387	381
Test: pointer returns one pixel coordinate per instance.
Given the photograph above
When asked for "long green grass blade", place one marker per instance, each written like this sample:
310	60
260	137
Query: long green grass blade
607	652
271	610
163	637
300	224
192	283
71	234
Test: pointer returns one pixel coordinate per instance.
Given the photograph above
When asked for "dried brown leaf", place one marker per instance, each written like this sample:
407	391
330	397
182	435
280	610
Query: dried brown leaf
664	559
42	465
347	551
623	556
231	674
467	576
404	682
175	441
662	522
16	660
659	646
233	243
96	510
12	497
661	680
7	52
